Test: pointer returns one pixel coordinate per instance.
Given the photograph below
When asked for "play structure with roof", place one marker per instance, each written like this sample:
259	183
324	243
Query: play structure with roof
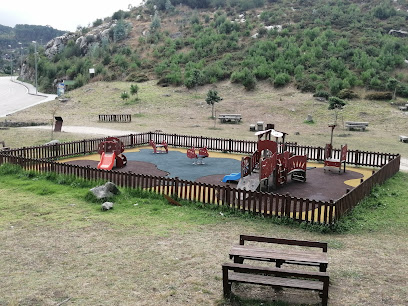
111	150
270	165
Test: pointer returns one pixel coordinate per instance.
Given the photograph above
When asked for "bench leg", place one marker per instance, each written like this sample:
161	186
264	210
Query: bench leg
325	293
225	283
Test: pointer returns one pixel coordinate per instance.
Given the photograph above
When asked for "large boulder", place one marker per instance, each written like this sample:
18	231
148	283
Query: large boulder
105	191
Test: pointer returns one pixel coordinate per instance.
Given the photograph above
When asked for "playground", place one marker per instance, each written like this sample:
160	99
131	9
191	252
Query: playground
320	185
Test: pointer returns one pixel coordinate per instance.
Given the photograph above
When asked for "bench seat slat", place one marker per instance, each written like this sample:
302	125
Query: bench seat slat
275	281
269	254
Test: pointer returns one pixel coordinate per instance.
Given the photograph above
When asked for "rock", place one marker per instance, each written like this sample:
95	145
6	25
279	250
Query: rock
107	206
52	142
105	191
94	37
57	44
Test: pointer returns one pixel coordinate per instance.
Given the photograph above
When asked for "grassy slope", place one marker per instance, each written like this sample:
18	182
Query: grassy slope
55	245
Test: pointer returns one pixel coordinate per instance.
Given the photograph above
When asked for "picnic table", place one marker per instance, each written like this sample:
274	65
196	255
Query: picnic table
277	277
234	118
403	138
352	125
404	108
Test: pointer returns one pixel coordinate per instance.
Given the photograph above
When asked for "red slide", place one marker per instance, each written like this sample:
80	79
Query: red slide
107	161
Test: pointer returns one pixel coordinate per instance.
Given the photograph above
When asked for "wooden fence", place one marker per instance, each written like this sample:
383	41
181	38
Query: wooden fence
267	204
115	118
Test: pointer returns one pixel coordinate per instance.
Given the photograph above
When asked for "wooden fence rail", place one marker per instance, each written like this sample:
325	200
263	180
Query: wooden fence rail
115	118
88	146
267	204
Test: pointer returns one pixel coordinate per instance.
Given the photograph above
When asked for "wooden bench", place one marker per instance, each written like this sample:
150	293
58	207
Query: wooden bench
115	118
281	256
351	125
275	277
233	118
403	138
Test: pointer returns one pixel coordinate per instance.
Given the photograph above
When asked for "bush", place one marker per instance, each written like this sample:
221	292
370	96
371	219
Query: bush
379	96
322	94
402	90
97	22
79	81
281	79
347	94
245	77
136	77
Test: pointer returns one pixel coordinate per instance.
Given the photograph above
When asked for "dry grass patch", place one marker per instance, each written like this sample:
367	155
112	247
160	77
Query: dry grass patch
56	247
182	111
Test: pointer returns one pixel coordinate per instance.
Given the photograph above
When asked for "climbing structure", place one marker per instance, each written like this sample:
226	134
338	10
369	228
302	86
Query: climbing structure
111	154
270	165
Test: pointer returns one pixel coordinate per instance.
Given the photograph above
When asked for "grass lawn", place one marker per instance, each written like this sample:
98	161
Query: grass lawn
57	246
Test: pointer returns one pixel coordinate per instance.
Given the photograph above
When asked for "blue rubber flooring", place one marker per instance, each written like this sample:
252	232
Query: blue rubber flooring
177	164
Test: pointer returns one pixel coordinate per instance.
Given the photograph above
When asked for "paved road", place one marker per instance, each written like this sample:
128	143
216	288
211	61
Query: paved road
15	96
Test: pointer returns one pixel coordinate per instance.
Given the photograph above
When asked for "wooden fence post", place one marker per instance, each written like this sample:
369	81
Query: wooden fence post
176	186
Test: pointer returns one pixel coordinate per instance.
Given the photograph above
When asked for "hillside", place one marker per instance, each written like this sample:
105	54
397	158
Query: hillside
314	45
17	40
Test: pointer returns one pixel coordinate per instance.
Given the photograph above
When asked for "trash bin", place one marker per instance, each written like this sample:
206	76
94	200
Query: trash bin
260	125
252	127
270	126
58	124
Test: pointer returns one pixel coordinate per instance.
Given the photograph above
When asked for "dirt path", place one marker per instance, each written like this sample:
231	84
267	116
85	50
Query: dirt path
86	130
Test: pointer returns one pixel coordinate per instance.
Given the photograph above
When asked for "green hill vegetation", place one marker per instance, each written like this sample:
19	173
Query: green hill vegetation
328	46
16	40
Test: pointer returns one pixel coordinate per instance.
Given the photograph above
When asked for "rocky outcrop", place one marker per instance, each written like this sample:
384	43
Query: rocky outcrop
57	44
94	37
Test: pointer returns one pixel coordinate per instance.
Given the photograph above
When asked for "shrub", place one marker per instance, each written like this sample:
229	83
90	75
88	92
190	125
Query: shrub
347	94
79	81
379	96
97	22
322	94
135	77
281	79
245	77
124	95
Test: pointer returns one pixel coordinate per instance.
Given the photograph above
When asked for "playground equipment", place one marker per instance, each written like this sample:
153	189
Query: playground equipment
271	164
159	148
329	161
336	163
111	151
231	177
202	153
